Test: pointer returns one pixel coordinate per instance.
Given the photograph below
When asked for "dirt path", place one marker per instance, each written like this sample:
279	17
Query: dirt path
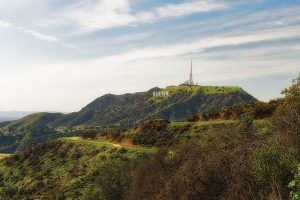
2	156
105	142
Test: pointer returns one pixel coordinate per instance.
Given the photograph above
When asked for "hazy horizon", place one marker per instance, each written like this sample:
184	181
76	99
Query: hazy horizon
59	56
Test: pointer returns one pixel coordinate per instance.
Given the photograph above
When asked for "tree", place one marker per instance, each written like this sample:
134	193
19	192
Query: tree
295	186
287	115
245	125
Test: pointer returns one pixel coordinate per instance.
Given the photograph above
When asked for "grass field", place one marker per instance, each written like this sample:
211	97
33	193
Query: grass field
260	123
204	123
102	142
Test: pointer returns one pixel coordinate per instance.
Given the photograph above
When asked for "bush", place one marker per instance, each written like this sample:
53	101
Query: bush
89	135
93	193
295	186
287	115
114	179
245	125
184	173
153	132
10	191
272	163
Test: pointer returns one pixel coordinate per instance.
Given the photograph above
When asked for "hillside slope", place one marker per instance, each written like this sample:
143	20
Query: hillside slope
128	109
65	168
29	122
182	101
78	168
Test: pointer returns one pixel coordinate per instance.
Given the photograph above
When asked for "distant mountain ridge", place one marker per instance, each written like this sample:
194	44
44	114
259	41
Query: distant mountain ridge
172	103
13	115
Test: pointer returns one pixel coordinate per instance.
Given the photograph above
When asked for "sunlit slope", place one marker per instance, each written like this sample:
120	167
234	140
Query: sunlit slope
172	103
70	164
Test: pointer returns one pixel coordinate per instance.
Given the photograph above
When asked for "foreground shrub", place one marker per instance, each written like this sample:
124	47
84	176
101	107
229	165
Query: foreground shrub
273	165
287	116
192	171
153	133
294	185
110	183
245	125
92	134
272	162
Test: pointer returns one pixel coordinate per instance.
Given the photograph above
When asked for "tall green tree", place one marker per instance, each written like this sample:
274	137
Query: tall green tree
287	116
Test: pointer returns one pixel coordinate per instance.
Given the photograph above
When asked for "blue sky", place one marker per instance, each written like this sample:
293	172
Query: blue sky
60	55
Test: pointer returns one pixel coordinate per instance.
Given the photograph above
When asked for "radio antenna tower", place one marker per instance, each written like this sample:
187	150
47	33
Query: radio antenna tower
191	82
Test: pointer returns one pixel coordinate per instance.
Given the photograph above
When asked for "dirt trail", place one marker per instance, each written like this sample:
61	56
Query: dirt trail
2	156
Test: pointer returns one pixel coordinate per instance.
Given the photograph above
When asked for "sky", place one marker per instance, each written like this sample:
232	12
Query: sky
60	55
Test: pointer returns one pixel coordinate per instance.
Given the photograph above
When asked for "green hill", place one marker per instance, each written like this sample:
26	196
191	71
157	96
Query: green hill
174	103
71	165
128	109
182	101
33	120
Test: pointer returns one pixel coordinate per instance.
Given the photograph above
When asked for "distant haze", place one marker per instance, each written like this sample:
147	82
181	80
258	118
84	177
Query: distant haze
13	115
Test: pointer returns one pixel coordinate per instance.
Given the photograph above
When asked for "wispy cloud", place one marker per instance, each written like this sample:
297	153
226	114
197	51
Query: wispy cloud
42	36
105	14
187	8
201	45
4	24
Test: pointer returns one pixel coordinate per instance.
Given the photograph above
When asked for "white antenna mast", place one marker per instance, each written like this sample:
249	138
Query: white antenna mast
191	82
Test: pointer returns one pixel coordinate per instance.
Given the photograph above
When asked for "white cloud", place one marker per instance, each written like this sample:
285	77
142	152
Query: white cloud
4	24
92	15
34	33
52	39
131	37
42	36
188	8
200	45
104	14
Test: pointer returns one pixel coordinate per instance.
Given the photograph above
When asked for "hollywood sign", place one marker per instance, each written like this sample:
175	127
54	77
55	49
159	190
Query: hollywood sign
161	94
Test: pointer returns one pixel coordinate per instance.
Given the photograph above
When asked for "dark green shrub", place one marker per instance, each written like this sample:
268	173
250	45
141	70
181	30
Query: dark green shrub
93	193
272	162
10	190
122	150
294	185
245	125
89	135
114	179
